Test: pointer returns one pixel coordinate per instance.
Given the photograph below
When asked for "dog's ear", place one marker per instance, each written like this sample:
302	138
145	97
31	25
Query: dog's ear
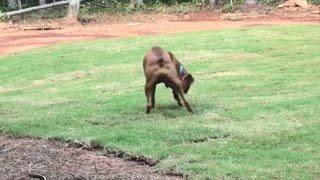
190	79
172	57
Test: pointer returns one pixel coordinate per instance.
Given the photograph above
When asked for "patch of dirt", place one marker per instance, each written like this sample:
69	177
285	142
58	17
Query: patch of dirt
22	158
13	37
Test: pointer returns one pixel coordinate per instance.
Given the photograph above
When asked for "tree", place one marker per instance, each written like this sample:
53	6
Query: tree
19	4
134	3
213	3
12	4
73	11
42	2
251	2
139	3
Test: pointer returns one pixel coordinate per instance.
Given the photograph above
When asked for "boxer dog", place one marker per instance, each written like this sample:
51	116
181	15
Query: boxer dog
161	66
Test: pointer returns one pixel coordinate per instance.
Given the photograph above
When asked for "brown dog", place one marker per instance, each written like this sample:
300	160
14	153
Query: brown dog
162	66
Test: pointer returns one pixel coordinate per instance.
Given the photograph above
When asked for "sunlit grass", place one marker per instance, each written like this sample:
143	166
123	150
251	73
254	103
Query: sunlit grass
256	100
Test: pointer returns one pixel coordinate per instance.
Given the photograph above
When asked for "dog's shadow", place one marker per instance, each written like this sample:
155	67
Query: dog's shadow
171	111
175	111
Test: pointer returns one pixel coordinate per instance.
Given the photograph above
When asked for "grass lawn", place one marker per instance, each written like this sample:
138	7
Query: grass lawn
256	100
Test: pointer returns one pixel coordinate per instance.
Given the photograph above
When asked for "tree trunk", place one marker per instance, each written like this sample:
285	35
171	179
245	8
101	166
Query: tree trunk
42	2
203	3
73	11
139	3
12	4
251	2
213	3
19	4
132	4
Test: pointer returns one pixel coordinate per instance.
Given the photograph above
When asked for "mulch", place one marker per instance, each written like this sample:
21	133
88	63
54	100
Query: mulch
25	158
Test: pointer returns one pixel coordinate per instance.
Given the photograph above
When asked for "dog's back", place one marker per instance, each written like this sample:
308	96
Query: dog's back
157	62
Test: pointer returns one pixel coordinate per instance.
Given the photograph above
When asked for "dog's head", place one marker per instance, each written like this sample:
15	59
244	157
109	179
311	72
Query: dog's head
186	82
185	77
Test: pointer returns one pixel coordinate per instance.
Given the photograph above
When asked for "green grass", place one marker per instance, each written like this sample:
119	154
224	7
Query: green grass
256	100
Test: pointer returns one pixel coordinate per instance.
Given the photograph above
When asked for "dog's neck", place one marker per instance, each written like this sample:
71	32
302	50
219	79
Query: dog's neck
181	71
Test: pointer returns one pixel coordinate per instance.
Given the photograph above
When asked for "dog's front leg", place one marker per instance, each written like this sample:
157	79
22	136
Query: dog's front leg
179	89
176	97
186	104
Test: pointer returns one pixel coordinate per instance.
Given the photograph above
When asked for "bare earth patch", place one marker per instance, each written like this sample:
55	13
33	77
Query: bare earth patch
23	157
13	37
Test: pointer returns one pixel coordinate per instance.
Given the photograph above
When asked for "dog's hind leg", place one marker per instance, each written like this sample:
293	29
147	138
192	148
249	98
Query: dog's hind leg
149	89
153	100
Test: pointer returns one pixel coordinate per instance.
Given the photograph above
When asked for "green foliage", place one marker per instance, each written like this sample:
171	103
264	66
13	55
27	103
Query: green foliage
3	9
3	18
315	2
256	100
271	3
182	8
95	6
56	12
148	7
227	8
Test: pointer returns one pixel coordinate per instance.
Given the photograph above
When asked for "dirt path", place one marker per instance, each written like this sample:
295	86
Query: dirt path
13	39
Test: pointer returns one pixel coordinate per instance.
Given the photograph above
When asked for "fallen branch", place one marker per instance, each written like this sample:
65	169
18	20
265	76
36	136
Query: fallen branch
12	13
41	27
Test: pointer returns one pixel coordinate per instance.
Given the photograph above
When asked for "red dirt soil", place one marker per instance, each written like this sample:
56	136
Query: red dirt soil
14	39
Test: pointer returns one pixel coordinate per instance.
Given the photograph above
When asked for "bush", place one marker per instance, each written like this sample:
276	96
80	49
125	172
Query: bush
315	2
228	8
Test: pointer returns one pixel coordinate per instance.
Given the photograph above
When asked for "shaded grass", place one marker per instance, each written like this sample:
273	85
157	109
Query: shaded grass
256	100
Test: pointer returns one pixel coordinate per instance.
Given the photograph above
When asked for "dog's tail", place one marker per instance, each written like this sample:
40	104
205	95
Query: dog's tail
161	62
